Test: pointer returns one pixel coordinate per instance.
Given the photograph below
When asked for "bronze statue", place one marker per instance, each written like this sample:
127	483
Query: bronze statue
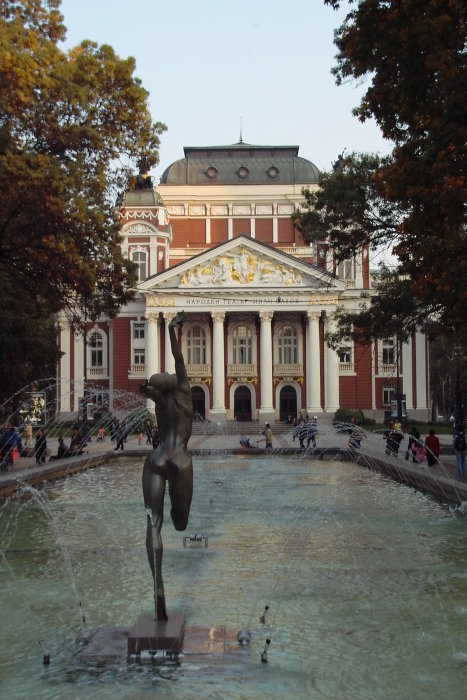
169	462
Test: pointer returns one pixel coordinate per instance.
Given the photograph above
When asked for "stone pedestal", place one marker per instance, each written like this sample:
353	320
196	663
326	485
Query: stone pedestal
151	635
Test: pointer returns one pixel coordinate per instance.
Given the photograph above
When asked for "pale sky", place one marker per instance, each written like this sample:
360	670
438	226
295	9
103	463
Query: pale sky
211	66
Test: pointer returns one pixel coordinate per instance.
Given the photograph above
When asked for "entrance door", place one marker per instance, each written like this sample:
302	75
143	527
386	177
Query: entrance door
199	404
242	404
288	403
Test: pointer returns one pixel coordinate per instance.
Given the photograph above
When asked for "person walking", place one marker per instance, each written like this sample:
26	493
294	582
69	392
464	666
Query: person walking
9	441
432	448
148	432
414	442
459	448
40	447
120	435
267	432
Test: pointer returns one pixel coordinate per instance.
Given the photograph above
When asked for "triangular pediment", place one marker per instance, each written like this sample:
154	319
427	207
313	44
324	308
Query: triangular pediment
242	264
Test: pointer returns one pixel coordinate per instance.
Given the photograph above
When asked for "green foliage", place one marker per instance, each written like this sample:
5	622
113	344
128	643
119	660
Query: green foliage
349	210
345	415
73	127
412	55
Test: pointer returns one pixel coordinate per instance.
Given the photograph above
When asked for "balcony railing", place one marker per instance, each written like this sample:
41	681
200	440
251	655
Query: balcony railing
198	370
387	370
249	370
96	372
288	370
139	369
346	367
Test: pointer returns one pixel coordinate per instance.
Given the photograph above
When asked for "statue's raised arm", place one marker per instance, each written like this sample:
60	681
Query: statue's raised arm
180	370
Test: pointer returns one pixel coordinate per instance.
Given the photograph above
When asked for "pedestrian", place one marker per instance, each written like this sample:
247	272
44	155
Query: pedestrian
414	441
9	443
459	448
355	439
40	447
140	438
62	451
77	443
393	439
267	432
156	440
312	430
432	447
120	435
148	432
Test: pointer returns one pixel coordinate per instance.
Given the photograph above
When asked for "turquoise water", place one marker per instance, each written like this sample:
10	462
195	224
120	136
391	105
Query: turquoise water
366	582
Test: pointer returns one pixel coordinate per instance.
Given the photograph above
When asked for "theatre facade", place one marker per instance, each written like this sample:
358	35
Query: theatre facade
215	239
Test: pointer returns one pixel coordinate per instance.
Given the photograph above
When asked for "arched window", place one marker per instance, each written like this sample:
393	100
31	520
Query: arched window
140	258
288	346
242	346
96	346
196	345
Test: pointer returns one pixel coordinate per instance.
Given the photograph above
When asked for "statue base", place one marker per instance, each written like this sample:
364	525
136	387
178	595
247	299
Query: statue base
156	636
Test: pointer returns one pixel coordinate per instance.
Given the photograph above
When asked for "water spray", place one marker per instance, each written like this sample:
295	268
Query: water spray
262	619
264	653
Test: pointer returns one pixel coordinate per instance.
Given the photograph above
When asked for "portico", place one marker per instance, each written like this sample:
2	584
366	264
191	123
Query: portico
245	339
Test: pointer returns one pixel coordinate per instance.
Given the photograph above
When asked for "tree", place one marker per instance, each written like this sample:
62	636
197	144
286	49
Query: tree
73	126
412	54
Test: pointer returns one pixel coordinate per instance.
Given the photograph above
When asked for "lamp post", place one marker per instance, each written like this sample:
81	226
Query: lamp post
459	412
398	386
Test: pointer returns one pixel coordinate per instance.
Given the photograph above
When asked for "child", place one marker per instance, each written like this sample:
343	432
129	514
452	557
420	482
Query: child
140	438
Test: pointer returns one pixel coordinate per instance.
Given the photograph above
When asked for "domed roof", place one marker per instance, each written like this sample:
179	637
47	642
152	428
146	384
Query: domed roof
241	164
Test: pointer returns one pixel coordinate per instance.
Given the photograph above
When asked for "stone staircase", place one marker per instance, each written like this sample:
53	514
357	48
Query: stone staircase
237	428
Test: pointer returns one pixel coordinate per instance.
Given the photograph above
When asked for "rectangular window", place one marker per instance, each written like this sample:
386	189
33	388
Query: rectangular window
345	356
388	395
96	358
138	330
139	356
388	354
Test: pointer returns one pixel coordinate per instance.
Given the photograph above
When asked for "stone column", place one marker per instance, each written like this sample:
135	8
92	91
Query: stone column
218	411
153	363
407	374
313	366
169	362
266	411
331	375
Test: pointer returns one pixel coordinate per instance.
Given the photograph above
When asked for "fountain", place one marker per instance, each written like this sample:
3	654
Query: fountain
360	576
321	579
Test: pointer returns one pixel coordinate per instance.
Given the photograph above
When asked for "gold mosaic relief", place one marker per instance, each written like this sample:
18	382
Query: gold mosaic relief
243	268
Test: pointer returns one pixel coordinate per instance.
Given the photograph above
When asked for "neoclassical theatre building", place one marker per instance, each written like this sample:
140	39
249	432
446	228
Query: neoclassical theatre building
216	239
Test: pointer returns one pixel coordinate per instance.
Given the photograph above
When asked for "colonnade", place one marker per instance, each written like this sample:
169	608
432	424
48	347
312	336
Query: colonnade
267	411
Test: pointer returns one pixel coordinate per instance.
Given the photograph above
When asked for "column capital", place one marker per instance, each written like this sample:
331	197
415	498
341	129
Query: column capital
168	315
218	316
313	315
152	317
266	315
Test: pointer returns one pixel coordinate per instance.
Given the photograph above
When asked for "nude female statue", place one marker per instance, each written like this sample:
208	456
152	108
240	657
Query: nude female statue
169	462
